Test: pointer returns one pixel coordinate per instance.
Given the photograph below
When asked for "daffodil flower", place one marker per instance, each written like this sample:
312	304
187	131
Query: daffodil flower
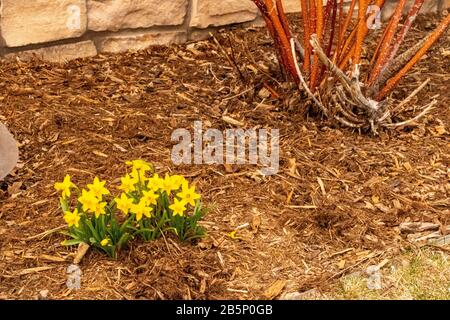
178	181
167	185
124	203
98	188
99	209
138	175
188	194
155	182
141	209
128	183
65	186
150	197
72	218
139	165
88	200
104	242
178	207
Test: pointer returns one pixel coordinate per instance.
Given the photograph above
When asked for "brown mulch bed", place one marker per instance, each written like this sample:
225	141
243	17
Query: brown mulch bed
339	194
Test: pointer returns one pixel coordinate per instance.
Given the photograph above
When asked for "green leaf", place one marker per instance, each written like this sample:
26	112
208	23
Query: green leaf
93	231
195	237
127	223
101	225
71	242
143	230
123	240
64	205
66	233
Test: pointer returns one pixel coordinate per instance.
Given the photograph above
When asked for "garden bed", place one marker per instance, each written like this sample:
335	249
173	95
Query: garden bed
340	195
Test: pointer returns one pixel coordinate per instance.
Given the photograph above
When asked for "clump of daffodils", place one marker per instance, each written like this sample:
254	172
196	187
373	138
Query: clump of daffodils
146	206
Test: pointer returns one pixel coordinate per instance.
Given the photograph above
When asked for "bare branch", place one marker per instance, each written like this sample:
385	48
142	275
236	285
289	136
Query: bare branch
302	80
410	121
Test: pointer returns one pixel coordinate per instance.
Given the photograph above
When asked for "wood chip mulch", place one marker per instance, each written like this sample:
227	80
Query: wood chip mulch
340	195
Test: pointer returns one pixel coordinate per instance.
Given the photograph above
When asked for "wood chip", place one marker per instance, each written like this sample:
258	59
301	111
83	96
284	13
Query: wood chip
292	166
51	258
82	249
275	289
413	227
33	270
232	121
322	186
256	222
100	154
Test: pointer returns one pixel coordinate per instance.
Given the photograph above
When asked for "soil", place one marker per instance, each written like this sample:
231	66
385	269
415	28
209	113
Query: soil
333	208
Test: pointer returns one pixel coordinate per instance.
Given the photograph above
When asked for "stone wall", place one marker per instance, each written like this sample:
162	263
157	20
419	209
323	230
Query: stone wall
60	30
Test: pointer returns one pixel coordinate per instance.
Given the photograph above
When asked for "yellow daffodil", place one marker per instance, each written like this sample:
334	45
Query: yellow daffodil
167	185
188	194
72	218
155	182
178	207
128	183
178	181
104	242
139	165
99	209
124	203
88	200
98	188
141	209
65	186
138	175
150	197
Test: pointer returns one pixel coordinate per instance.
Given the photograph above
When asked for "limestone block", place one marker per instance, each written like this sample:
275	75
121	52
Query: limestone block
59	53
114	15
206	13
138	40
9	153
26	22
